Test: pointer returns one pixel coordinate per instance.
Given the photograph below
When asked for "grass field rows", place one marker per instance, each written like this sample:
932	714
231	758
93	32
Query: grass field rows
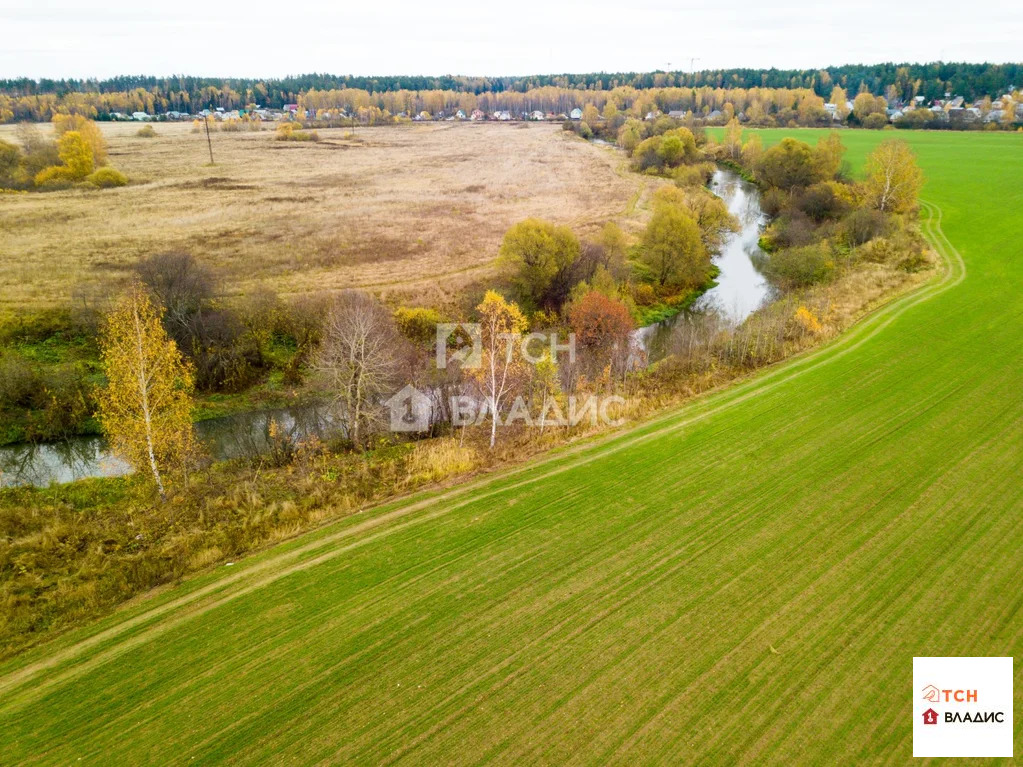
746	579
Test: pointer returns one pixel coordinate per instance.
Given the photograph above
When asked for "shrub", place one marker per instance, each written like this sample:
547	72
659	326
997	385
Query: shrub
792	230
418	325
54	177
18	382
864	225
774	201
691	175
438	459
800	267
66	400
807	321
788	164
643	294
146	131
10	159
875	121
39	152
819	202
105	178
288	131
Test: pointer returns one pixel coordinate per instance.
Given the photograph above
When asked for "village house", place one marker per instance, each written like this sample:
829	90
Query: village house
576	114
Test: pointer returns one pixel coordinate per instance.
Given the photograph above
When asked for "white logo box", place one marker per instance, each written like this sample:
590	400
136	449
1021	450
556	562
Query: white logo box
974	689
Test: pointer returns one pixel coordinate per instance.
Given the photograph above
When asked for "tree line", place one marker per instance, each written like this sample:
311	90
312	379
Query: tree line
28	99
932	79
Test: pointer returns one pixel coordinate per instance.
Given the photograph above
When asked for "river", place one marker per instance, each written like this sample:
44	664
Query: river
740	290
234	436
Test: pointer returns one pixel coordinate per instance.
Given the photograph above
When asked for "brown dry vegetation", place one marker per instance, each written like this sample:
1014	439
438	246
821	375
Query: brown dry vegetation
418	209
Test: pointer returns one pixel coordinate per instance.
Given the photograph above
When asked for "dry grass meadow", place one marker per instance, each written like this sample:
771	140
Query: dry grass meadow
414	210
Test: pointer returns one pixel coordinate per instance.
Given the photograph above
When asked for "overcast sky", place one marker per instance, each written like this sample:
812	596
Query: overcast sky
42	38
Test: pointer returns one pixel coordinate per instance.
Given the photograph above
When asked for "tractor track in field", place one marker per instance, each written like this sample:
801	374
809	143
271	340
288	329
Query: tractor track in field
206	598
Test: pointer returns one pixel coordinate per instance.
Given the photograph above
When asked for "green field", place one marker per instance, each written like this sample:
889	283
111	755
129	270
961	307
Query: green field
745	580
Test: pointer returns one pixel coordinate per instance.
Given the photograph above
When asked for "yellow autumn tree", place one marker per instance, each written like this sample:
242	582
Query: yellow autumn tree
808	321
893	177
839	99
733	139
89	132
76	158
500	373
146	408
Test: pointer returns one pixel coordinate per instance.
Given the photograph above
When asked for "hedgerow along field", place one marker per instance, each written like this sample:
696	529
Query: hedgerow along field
744	580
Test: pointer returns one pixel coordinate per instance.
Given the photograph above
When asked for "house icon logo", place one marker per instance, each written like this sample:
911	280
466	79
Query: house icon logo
932	694
460	342
410	410
930	716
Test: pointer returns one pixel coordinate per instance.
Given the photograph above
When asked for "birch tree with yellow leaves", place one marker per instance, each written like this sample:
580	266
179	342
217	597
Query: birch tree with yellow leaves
893	177
501	372
146	408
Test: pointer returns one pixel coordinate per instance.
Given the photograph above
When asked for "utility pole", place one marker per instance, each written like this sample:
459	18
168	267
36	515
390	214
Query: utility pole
209	141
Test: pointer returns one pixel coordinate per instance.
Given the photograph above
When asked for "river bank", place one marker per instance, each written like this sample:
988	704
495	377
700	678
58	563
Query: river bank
230	430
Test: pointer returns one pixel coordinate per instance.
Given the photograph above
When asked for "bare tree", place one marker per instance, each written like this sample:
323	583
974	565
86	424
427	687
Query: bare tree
182	284
358	361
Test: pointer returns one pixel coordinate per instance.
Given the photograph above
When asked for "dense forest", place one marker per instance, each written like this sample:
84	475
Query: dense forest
34	99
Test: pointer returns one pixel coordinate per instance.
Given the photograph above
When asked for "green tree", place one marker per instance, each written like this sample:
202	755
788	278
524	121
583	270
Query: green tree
787	164
827	156
673	250
540	255
10	160
614	244
629	135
